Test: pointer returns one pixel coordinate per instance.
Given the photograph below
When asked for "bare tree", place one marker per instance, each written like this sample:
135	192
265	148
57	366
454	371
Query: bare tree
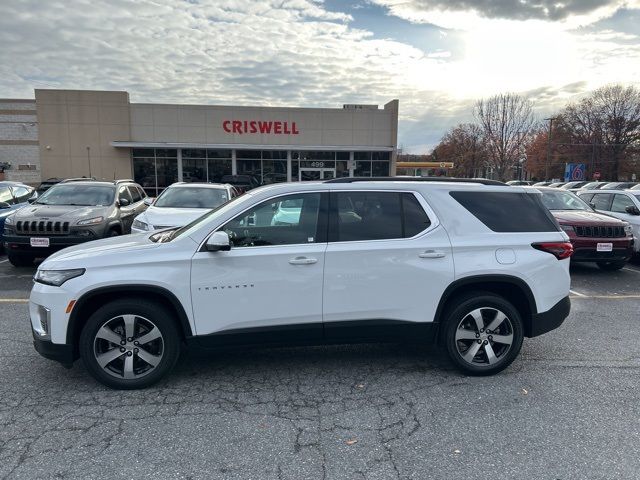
464	146
507	121
604	126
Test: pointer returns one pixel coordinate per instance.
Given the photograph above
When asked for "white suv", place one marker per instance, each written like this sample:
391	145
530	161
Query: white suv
474	266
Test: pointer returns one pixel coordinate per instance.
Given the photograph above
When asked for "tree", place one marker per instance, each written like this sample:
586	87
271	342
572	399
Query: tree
464	146
605	128
506	121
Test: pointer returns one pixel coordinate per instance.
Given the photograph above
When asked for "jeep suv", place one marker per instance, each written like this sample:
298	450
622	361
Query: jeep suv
71	212
364	260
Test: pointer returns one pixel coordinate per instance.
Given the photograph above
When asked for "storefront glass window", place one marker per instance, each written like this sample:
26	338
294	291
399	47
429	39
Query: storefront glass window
379	169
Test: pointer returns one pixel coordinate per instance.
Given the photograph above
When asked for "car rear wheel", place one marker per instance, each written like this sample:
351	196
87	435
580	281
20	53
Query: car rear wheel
483	333
20	259
610	266
129	344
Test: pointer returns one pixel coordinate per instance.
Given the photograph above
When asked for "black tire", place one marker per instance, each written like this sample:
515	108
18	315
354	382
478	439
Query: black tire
611	266
166	348
459	321
113	233
20	259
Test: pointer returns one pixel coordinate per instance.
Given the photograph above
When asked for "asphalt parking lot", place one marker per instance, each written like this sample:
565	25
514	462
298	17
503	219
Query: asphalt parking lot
568	408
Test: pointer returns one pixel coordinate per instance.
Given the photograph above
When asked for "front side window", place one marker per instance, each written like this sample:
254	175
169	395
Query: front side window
5	195
601	201
70	194
359	216
620	203
287	220
123	193
135	194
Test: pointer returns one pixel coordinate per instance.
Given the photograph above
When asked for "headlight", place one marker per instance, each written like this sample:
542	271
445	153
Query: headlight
57	277
567	228
140	225
8	220
91	221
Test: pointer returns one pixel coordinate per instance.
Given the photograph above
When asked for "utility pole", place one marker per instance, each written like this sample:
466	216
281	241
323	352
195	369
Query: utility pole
546	167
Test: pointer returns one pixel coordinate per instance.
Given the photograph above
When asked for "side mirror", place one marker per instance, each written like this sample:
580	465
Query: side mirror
632	210
148	201
123	202
218	241
32	199
4	205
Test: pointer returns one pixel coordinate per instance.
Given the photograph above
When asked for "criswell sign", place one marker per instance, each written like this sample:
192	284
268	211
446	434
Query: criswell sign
258	126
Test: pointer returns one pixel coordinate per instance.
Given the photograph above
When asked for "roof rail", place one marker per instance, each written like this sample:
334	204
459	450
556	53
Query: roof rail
78	179
482	181
122	180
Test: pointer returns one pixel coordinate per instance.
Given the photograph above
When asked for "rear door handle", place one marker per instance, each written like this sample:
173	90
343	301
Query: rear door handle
303	261
431	254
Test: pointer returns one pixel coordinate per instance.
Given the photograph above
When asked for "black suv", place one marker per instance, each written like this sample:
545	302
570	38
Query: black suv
71	212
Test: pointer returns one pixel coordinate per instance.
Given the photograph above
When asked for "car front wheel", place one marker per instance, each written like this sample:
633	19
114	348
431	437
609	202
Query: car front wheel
483	333
611	266
130	344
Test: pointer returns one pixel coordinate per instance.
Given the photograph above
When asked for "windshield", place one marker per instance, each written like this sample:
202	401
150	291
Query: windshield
192	197
168	235
563	201
85	195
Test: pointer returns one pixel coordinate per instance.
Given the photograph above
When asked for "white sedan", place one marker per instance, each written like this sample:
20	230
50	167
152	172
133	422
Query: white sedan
180	204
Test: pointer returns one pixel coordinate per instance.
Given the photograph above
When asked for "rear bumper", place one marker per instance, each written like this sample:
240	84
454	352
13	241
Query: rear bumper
54	351
585	249
551	319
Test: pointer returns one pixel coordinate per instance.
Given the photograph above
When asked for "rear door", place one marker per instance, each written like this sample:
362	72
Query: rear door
387	264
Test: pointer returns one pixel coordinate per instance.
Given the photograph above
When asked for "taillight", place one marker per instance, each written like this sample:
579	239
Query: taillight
560	250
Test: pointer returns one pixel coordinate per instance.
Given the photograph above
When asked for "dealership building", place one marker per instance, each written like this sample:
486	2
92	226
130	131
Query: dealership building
74	133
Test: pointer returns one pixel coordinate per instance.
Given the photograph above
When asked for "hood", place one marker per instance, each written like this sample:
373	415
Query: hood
60	212
582	217
171	217
125	244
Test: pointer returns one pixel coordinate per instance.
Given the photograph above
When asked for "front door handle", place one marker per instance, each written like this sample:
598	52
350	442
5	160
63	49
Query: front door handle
432	254
303	261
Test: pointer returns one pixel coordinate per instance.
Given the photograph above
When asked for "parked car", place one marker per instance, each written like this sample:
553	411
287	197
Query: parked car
573	186
596	237
69	213
542	184
13	195
622	204
556	184
519	182
636	187
242	183
618	185
592	186
182	203
354	267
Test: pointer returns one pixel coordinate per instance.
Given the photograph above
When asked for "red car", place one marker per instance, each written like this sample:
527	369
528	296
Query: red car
596	237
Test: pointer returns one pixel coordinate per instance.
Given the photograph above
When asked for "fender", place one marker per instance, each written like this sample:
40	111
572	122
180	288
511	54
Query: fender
126	290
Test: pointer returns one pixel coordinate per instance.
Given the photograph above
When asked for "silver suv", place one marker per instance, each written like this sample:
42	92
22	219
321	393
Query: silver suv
70	213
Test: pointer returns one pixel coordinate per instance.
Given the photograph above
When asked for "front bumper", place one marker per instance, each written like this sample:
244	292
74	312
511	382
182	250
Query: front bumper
22	243
53	351
551	319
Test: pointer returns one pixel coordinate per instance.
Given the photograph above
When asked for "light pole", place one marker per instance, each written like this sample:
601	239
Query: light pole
546	167
89	159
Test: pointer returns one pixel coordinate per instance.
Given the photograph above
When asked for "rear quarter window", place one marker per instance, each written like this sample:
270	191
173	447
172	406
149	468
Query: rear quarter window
508	212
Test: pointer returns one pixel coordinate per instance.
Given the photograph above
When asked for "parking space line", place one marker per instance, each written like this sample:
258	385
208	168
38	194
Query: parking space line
577	293
5	260
631	270
14	300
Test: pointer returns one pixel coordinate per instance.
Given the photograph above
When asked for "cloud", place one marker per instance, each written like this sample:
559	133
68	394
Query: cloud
465	13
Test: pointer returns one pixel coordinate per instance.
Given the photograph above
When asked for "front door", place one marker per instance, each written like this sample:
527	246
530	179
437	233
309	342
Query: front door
268	287
316	174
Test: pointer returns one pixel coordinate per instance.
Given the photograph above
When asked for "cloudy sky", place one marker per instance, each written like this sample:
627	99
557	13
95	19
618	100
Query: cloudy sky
436	56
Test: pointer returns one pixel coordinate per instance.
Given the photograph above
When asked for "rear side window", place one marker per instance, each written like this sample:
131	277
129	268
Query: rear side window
358	216
508	212
586	196
620	203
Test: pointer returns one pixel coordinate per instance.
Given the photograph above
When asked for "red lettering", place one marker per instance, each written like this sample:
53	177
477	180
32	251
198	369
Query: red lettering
225	126
237	126
294	130
252	124
286	128
265	127
277	127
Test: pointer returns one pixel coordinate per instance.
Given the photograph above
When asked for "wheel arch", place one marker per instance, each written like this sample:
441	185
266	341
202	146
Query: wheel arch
511	288
90	301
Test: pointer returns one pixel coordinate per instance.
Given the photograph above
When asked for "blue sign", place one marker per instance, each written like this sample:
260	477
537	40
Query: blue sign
573	172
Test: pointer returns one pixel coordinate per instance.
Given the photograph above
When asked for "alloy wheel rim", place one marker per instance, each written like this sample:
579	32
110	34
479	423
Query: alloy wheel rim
484	337
128	346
